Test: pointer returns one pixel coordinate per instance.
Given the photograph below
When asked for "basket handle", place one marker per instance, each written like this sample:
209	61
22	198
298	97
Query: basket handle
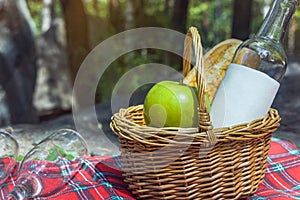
193	39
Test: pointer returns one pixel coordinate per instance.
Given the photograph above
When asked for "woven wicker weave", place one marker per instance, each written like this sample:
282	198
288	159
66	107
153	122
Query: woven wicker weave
193	163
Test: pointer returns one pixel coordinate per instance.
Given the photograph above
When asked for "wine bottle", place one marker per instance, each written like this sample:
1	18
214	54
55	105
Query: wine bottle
253	78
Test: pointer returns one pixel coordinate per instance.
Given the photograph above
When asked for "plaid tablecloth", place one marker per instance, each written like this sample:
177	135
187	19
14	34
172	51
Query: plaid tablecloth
101	178
282	180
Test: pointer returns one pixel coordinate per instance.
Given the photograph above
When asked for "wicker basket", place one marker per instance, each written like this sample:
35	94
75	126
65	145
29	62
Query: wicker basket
193	163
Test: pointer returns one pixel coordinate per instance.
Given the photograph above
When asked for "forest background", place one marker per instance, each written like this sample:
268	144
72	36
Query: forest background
58	34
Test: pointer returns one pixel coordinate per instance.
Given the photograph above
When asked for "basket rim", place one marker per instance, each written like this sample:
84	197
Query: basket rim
123	124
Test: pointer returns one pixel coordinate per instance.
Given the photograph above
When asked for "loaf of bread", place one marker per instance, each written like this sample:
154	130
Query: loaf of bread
216	62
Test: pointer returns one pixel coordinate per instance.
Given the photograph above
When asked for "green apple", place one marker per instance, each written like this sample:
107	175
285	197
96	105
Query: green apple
171	104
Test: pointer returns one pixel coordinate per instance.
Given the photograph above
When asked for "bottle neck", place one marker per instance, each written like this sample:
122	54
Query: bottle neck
278	19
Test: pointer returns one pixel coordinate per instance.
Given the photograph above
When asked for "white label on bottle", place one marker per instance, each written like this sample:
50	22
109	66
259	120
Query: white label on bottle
244	95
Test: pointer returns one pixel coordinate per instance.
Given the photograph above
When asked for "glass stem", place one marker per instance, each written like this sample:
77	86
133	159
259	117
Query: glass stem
18	193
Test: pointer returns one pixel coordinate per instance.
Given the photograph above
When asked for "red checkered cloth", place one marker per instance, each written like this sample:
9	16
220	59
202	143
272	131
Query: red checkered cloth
282	180
101	178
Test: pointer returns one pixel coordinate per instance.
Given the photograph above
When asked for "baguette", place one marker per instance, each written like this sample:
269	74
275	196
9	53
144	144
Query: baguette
216	62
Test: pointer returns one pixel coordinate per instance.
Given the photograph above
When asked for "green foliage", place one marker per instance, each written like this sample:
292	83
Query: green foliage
213	18
97	8
58	9
20	158
56	152
35	7
297	14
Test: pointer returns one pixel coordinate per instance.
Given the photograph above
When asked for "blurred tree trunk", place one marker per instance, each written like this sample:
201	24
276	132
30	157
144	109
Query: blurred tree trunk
205	23
139	13
179	20
47	14
242	13
179	17
116	16
129	14
292	37
18	60
167	7
218	13
53	93
77	33
96	7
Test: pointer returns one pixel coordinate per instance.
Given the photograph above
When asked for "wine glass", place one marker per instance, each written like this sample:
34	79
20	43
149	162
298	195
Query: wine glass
49	165
9	149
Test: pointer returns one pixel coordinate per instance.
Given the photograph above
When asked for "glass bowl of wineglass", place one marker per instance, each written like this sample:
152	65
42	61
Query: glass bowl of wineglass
49	165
